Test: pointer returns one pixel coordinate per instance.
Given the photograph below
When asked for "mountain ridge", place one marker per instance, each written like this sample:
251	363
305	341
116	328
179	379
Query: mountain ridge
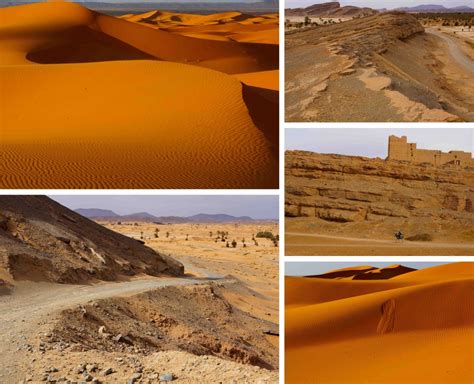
104	214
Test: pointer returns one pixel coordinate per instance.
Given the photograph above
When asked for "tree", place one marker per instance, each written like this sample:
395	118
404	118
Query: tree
234	243
307	21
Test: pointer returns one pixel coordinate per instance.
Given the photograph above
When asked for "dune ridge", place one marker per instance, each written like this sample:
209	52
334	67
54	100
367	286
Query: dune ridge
377	322
90	100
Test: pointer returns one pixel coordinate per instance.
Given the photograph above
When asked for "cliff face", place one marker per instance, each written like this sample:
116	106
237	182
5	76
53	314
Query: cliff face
360	38
345	189
42	240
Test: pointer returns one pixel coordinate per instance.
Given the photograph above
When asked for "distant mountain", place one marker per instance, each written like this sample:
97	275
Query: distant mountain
103	214
95	212
434	8
140	216
218	218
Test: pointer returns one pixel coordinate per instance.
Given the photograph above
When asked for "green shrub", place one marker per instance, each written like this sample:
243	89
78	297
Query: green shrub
266	235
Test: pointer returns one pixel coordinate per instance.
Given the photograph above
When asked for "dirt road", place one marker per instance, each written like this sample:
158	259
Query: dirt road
24	311
298	243
456	52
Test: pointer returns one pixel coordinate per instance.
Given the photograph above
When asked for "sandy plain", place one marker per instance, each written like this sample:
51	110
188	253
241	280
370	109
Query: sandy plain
95	101
255	265
386	325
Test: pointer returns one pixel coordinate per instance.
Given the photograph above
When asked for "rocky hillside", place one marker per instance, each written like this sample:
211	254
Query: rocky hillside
361	38
42	240
331	9
344	189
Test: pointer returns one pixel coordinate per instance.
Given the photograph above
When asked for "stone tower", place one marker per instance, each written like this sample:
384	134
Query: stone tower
400	149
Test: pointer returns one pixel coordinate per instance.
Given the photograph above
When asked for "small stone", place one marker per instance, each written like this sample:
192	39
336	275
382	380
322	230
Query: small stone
166	377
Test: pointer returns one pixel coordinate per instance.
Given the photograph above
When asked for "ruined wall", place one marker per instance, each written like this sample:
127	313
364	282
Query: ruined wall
400	149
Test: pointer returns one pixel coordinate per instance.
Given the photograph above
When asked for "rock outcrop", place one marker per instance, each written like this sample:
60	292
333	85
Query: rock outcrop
345	189
331	9
361	38
42	240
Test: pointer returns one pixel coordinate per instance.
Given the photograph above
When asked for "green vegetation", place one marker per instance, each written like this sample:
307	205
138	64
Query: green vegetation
447	19
266	235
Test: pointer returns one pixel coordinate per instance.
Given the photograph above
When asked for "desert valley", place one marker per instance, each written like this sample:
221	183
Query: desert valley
380	324
135	301
337	204
346	63
91	100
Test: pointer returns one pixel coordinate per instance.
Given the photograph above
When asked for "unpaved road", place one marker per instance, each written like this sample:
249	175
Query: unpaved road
340	245
456	52
30	304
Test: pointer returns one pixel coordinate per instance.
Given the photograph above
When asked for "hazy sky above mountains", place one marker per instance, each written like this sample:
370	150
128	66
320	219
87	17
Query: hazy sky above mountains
257	207
374	142
379	4
317	268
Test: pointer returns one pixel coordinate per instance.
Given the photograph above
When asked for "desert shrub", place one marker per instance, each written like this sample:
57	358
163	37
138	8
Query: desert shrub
266	235
420	237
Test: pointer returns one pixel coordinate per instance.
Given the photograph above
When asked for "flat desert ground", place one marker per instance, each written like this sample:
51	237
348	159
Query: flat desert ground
310	237
389	325
157	100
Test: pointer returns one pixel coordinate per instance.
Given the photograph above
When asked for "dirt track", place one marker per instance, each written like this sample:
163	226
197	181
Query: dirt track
22	312
317	244
456	52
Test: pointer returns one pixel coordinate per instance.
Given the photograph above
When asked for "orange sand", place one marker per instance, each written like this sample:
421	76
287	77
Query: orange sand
413	328
93	101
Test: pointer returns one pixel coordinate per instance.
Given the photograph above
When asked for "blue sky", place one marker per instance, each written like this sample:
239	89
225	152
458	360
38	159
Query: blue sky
373	142
317	268
379	4
257	207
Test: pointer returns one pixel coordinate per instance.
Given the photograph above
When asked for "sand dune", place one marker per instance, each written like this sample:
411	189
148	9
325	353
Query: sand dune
416	327
94	101
228	26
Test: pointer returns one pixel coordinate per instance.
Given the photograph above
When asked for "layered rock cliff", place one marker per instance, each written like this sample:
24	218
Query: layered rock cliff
42	240
360	38
346	189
